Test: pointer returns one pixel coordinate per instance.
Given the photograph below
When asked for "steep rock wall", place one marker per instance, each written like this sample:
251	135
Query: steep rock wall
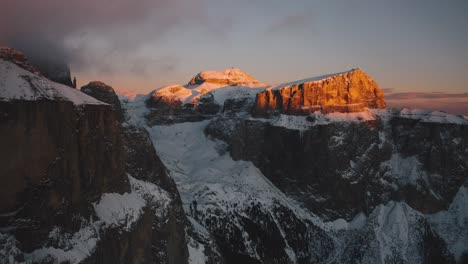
346	92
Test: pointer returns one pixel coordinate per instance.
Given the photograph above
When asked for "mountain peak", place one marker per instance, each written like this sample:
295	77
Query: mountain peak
348	91
230	76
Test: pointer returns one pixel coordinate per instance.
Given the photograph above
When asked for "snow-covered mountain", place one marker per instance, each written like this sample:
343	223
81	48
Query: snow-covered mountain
203	97
365	182
226	169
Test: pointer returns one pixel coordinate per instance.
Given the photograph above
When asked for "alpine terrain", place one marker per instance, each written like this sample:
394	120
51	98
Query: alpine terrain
226	169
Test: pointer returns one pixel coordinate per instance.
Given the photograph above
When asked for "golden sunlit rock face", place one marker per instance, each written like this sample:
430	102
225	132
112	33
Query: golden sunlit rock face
351	91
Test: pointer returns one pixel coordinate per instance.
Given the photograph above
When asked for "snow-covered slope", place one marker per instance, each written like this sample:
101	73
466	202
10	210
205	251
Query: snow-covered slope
392	233
452	224
221	195
19	84
233	203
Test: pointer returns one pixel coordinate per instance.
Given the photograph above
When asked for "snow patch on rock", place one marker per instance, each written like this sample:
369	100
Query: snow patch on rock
156	197
121	210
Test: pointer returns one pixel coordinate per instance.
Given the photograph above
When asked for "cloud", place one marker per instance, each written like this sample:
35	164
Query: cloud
105	36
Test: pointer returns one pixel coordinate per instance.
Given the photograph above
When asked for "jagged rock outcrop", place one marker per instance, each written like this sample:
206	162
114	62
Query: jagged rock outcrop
106	94
346	92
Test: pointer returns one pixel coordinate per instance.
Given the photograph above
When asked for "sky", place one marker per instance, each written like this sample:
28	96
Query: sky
415	49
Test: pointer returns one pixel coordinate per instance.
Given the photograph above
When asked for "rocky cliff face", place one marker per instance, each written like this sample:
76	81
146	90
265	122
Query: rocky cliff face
352	166
349	91
68	196
62	150
341	167
166	241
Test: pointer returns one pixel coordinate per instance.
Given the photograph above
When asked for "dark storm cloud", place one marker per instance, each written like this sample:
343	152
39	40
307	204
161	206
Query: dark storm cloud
91	32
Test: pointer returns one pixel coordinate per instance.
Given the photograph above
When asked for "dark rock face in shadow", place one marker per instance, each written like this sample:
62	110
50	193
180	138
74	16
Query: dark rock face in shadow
340	169
58	159
165	238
